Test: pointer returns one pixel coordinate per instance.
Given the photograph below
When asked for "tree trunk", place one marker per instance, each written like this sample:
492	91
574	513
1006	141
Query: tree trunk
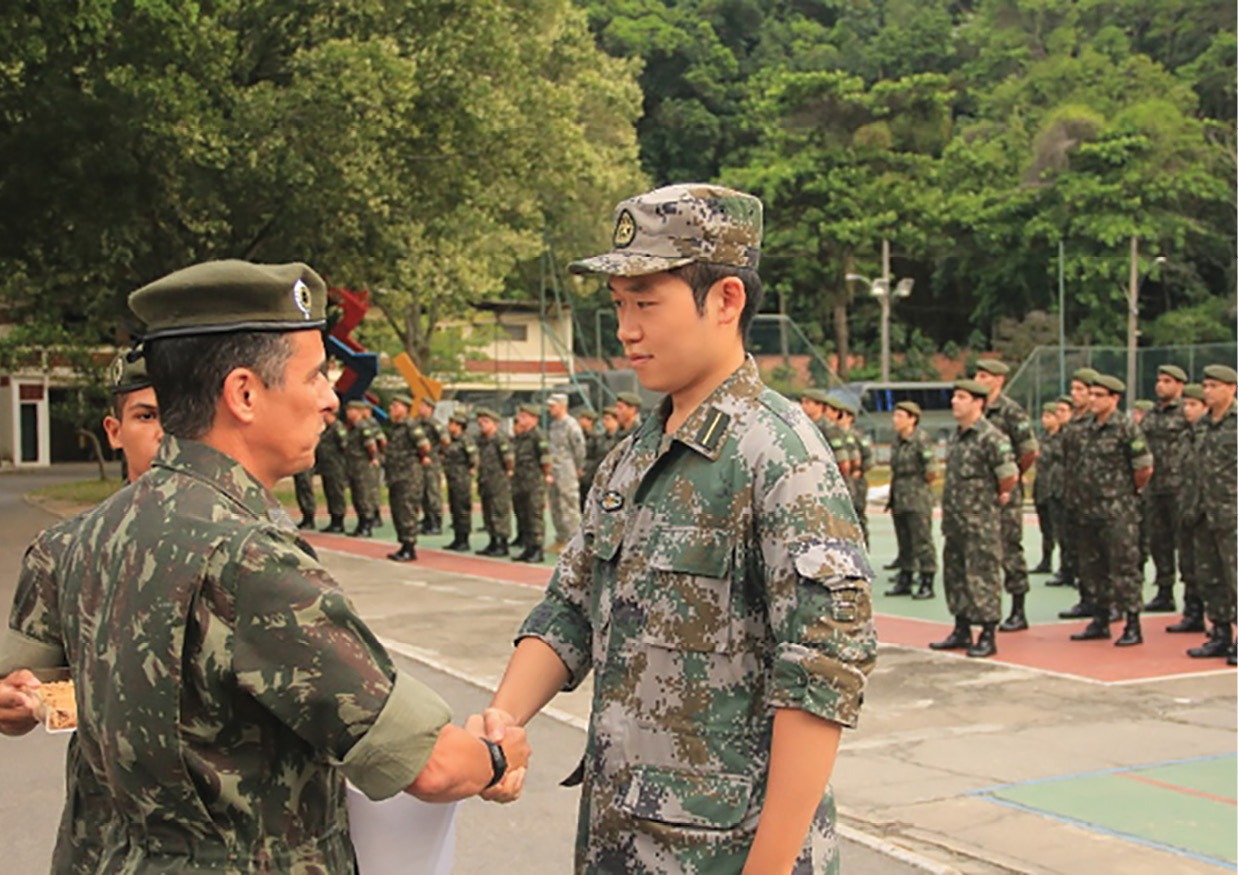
93	439
842	337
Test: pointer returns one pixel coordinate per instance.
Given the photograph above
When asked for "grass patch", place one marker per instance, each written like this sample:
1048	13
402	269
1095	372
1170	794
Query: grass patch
81	491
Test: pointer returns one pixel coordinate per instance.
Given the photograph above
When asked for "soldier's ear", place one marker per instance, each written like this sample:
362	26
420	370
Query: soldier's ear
238	397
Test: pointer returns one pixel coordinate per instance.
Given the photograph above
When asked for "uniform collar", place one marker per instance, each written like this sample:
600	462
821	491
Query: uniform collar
706	428
222	472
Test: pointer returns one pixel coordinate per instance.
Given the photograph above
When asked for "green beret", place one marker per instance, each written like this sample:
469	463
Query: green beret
1066	399
1193	390
459	419
1113	384
910	407
979	390
426	399
1173	371
839	404
403	398
817	395
1224	373
124	376
358	404
996	367
487	412
1049	407
588	412
1086	376
1144	404
219	296
531	409
630	398
609	410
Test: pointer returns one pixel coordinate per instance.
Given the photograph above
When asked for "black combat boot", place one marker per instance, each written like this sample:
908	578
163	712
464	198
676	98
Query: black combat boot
1017	621
1232	659
376	521
895	565
459	544
1095	630
1060	579
531	554
1131	634
406	553
986	642
1078	612
435	527
1192	617
959	639
491	549
926	586
363	530
1045	566
902	584
501	548
1162	602
307	522
1219	643
336	527
425	524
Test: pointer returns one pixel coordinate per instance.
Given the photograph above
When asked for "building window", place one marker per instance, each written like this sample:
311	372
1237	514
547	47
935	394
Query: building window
517	333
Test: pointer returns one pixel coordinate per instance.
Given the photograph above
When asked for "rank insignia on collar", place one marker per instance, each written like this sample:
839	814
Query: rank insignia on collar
611	500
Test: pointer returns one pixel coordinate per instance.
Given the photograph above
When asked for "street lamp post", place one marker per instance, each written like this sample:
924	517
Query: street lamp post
880	289
1132	319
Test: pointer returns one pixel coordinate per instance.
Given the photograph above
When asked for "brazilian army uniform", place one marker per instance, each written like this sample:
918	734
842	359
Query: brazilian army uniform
1012	421
459	465
911	501
494	461
303	487
1164	427
407	445
977	460
1216	538
329	461
1190	516
718	576
1108	521
361	448
1073	436
531	452
256	689
1047	495
857	478
432	482
836	437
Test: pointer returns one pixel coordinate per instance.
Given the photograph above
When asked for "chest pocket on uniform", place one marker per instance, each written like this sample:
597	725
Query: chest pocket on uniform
688	592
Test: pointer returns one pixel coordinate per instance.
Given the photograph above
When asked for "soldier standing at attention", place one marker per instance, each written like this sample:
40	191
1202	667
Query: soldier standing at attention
303	486
718	589
913	468
814	403
1164	426
432	482
981	476
1190	512
331	461
567	464
627	412
1074	434
225	686
610	429
531	474
408	455
459	467
1114	467
1013	422
1048	485
362	458
1216	536
587	417
1067	569
376	472
494	472
861	463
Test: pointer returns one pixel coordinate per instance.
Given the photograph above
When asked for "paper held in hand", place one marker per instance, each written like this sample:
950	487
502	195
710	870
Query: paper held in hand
402	835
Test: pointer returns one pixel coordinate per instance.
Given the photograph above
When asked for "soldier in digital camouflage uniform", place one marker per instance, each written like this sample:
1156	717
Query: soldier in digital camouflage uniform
530	474
1074	433
1190	511
981	475
459	469
1113	467
593	434
494	472
407	457
1012	421
1164	426
361	457
718	589
432	483
330	460
34	639
1216	534
913	467
567	464
1047	487
225	686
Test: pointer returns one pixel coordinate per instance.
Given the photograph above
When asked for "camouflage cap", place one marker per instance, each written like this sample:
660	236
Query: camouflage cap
1113	384
1193	390
125	376
459	419
403	398
677	225
1173	371
486	412
996	367
629	398
531	409
221	296
979	390
1144	404
1224	373
557	398
817	395
910	407
1086	376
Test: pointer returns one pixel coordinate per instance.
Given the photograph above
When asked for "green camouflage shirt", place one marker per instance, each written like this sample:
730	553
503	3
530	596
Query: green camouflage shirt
332	447
225	684
977	460
1217	443
407	445
1050	475
1012	421
1164	427
718	576
531	452
1109	454
911	461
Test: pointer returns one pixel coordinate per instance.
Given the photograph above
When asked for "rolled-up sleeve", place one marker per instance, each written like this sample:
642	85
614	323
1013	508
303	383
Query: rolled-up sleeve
817	594
34	638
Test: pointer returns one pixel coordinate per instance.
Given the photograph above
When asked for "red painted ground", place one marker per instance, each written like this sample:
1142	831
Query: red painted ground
1044	647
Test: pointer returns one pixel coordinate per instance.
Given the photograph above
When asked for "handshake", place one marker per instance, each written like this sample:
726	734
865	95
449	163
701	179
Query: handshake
458	767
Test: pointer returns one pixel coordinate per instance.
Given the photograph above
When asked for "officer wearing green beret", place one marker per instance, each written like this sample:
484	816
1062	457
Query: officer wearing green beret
432	479
331	463
404	464
1216	533
530	476
980	477
718	589
459	469
1013	421
495	465
1190	515
1164	425
363	458
1047	487
814	403
627	411
1073	433
587	418
233	688
913	468
861	463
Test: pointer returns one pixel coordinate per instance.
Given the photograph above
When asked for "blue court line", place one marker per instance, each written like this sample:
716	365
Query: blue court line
1200	759
1139	840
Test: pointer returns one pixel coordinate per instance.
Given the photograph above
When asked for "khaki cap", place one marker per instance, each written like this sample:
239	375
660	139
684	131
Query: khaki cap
1193	390
1224	373
1113	384
629	398
1086	376
996	367
979	390
1144	404
1173	371
910	406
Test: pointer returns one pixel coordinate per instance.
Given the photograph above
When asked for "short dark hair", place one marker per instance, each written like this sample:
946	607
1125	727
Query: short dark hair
701	276
188	373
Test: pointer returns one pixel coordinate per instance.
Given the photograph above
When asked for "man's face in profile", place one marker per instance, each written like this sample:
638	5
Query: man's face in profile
137	431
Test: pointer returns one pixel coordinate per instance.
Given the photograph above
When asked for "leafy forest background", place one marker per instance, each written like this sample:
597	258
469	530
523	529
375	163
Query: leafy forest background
439	153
